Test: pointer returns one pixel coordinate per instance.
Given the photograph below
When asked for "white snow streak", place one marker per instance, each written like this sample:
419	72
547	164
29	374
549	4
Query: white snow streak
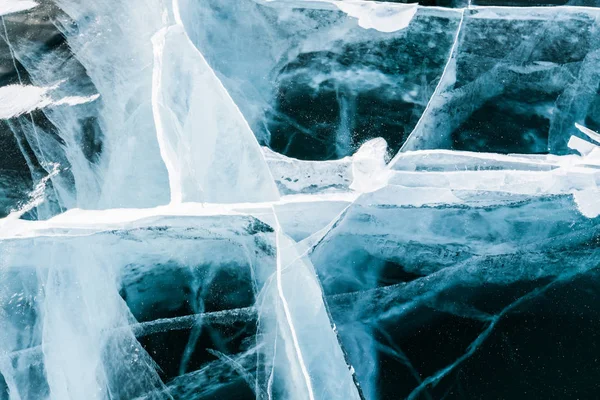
75	100
16	100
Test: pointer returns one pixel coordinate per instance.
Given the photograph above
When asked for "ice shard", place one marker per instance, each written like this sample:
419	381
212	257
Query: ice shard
304	333
197	123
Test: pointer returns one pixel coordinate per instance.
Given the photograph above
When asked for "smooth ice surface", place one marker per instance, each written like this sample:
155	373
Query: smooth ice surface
416	242
311	81
299	220
501	56
421	220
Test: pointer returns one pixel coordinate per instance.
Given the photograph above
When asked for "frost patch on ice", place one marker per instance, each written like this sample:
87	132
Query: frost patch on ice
369	167
16	100
13	6
383	17
588	202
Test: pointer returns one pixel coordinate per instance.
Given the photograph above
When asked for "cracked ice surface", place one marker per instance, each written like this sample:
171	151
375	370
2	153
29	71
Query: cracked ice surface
298	199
